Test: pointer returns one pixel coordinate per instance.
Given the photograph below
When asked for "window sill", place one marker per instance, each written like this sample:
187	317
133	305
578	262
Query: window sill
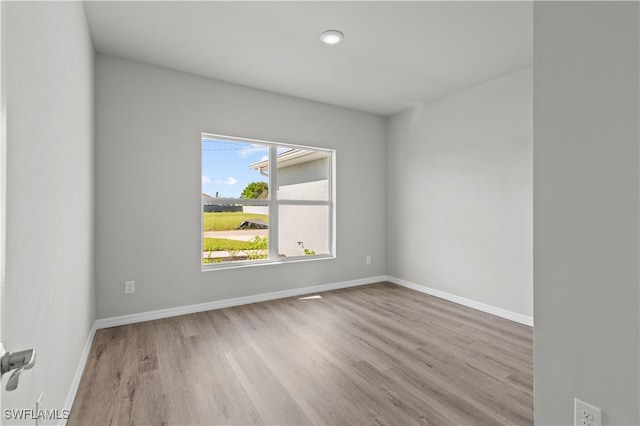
253	263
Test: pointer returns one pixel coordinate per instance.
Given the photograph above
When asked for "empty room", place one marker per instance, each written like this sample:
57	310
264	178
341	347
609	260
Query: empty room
320	212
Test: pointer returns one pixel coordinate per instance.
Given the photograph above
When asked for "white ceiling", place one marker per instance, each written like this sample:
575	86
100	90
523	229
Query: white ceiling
394	55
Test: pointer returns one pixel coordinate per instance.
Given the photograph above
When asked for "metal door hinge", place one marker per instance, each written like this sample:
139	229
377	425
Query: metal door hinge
16	362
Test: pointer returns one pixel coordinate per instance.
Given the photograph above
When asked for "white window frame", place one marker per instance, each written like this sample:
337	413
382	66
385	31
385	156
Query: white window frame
274	203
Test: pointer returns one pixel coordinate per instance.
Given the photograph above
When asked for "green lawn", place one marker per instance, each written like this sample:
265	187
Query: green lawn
225	244
226	221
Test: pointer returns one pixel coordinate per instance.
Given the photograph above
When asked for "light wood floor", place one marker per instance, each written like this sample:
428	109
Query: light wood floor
376	354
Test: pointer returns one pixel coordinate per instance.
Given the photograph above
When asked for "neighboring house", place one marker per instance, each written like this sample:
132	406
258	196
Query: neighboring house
209	204
208	200
302	175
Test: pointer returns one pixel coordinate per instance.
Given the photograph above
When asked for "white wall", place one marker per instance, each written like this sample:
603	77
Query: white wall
49	301
459	194
586	180
308	225
310	171
149	121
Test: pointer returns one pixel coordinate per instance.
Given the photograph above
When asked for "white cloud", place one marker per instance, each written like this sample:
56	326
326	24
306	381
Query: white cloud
205	179
228	181
264	158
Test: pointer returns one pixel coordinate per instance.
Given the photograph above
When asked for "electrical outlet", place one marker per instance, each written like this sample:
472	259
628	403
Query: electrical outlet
368	260
586	414
129	287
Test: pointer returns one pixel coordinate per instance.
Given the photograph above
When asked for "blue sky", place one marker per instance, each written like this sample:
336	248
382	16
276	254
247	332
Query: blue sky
225	166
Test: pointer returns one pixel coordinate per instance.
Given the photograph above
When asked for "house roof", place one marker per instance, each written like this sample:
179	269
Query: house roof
207	199
290	158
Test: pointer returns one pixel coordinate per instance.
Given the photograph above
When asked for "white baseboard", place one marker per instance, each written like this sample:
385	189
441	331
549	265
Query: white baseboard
75	383
227	303
503	313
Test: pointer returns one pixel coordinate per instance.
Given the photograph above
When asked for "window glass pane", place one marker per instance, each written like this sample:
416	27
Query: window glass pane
236	201
303	230
234	170
303	174
234	232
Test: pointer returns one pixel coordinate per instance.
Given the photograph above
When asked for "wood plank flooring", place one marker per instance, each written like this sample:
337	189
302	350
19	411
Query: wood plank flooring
376	354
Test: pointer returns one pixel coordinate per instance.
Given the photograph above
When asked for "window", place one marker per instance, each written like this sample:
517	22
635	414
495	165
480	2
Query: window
246	221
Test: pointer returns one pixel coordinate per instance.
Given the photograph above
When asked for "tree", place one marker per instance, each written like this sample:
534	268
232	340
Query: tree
256	190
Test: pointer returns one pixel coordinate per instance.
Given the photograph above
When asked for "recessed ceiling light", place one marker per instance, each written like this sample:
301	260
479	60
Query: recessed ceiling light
331	37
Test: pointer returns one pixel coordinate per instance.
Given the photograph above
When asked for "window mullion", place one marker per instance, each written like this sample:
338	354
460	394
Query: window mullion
273	202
